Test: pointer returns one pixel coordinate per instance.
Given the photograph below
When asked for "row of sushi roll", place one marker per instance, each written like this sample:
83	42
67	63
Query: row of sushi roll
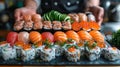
46	46
57	21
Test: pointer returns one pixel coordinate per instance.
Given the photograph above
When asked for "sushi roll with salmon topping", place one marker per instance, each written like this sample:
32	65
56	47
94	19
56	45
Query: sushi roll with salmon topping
47	52
47	25
66	25
28	25
38	47
57	25
72	53
28	53
18	25
9	53
18	46
60	42
74	17
111	53
38	25
92	51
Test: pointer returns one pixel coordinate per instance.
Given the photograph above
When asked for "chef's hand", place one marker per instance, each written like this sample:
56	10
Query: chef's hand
98	13
23	11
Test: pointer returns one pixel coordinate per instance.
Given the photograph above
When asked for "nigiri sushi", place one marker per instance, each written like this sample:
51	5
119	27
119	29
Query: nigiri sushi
72	53
97	36
111	53
84	35
73	35
57	25
23	37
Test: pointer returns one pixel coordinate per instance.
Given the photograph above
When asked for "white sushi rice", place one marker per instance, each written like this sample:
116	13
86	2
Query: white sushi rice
3	46
37	51
58	50
111	54
73	56
47	54
8	53
93	54
28	55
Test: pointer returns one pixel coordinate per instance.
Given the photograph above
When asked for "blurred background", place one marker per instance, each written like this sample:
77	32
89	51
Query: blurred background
110	24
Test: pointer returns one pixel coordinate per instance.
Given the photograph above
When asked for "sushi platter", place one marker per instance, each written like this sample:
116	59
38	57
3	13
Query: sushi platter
57	39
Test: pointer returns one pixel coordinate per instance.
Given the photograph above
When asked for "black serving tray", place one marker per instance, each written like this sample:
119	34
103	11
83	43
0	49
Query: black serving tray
61	61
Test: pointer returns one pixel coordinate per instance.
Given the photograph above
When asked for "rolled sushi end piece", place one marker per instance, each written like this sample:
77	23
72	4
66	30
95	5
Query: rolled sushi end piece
8	53
111	53
47	54
28	53
72	53
93	54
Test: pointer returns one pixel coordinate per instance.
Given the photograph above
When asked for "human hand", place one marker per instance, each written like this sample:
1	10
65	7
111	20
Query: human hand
98	13
23	11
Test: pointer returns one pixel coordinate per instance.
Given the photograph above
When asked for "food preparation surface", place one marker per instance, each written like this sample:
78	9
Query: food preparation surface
61	61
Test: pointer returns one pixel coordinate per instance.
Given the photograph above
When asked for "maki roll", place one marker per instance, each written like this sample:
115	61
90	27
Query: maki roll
18	46
18	25
37	25
111	53
2	45
72	53
66	25
38	48
57	25
47	25
9	53
28	25
81	47
60	39
47	52
92	51
28	53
